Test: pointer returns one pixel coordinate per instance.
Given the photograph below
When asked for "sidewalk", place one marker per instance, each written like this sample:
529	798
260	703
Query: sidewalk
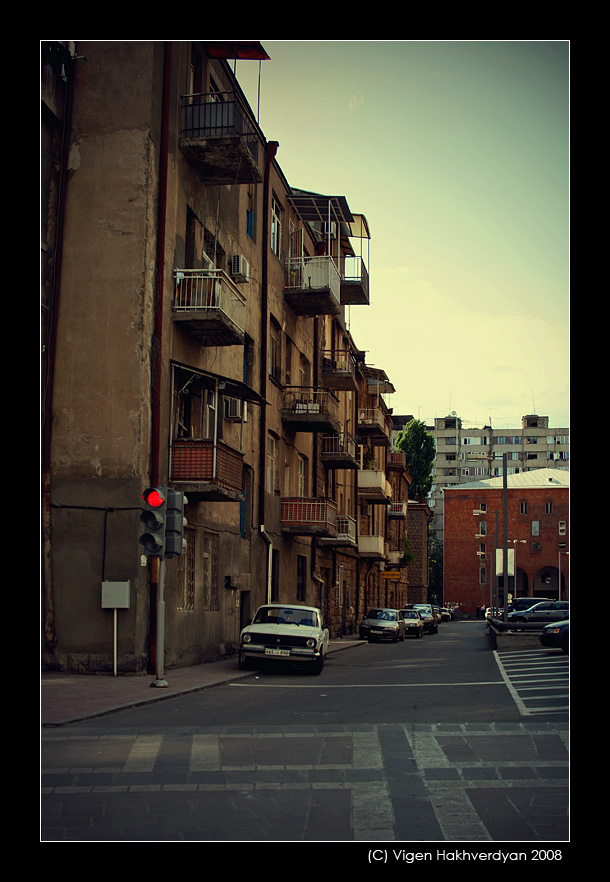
68	698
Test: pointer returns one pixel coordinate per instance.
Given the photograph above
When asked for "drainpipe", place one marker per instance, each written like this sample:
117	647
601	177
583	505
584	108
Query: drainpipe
264	331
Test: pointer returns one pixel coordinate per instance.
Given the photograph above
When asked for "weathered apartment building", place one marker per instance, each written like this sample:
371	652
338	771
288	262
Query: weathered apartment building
194	335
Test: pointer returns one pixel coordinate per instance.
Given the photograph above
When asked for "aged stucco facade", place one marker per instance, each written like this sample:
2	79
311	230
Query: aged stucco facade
195	335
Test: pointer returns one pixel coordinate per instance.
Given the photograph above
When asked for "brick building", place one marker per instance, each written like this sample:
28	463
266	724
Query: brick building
538	538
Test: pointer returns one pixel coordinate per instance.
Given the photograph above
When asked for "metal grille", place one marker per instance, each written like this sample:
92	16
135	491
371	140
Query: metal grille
210	571
186	600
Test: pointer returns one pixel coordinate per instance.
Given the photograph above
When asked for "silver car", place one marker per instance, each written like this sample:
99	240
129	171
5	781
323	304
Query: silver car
381	623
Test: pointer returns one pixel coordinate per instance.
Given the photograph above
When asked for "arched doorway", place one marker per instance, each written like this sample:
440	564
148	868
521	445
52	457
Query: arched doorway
546	583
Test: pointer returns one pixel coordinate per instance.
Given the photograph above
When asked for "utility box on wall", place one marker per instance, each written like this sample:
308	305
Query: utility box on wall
115	595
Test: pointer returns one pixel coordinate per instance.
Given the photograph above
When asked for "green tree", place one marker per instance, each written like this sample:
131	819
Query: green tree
418	446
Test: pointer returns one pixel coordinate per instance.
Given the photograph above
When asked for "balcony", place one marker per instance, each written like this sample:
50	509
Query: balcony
346	535
354	282
397	460
313	286
306	409
339	371
374	488
375	424
210	307
207	471
371	544
219	139
309	517
339	451
397	510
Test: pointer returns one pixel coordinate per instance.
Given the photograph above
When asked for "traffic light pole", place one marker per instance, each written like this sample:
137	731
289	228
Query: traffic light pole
160	680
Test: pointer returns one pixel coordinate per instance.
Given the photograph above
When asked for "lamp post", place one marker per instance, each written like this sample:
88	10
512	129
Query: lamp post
492	575
559	597
515	541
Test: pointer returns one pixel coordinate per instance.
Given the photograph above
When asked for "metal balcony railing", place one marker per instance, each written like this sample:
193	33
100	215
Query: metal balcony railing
313	285
209	296
309	515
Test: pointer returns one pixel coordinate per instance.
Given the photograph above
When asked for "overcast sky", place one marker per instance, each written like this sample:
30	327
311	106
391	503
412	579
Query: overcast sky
457	153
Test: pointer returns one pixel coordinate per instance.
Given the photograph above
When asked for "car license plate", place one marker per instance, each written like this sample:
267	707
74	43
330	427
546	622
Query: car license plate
374	631
277	652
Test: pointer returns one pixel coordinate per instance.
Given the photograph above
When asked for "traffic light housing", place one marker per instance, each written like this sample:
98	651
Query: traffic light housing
175	523
154	519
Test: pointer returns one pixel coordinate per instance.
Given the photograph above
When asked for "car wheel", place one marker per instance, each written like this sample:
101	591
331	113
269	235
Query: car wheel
317	665
242	661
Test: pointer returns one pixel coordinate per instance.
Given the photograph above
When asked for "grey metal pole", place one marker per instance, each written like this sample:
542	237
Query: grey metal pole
160	681
505	537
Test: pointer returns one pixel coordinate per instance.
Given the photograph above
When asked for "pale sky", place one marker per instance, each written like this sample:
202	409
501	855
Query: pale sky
457	153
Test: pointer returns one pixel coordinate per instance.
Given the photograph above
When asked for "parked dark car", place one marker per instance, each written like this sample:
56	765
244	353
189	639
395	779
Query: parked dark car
520	603
556	635
547	611
383	624
414	624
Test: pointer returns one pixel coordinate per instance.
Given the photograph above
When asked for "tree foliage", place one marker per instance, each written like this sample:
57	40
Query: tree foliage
418	446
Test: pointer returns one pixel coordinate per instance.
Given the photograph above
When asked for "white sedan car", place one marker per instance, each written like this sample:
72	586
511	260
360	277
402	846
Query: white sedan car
285	632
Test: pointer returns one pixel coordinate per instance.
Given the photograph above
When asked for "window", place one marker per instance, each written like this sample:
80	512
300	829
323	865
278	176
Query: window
562	528
523	508
301	477
535	528
209	571
482	575
548	508
276	226
483	528
275	357
271	464
250	212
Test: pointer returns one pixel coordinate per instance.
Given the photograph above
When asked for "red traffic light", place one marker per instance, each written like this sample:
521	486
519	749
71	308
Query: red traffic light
154	498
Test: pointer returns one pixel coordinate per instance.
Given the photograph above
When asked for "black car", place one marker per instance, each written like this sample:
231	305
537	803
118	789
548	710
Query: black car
556	635
521	603
547	611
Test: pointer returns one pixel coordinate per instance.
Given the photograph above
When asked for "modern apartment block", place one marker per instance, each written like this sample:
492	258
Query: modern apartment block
195	336
465	454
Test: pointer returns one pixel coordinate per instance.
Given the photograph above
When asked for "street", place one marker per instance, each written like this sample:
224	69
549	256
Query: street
427	740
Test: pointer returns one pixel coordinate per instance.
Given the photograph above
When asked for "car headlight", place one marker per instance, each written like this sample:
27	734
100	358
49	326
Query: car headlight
311	643
246	638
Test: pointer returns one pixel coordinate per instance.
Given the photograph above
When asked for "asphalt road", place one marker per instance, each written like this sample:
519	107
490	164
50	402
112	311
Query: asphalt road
425	741
451	676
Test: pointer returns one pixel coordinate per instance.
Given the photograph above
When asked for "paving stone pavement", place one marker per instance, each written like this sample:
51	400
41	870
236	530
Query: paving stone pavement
379	783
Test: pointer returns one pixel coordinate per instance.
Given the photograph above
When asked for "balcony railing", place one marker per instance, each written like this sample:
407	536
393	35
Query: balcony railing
339	451
354	282
339	370
207	470
306	409
373	422
374	487
346	533
303	516
313	286
397	510
219	138
210	306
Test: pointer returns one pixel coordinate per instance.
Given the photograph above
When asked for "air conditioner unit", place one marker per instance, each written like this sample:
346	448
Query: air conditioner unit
330	229
240	269
235	409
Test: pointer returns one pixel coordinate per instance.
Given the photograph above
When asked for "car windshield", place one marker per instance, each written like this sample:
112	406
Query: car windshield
411	614
285	615
387	615
424	606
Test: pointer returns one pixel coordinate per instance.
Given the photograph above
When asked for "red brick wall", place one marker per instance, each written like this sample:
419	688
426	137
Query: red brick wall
537	557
